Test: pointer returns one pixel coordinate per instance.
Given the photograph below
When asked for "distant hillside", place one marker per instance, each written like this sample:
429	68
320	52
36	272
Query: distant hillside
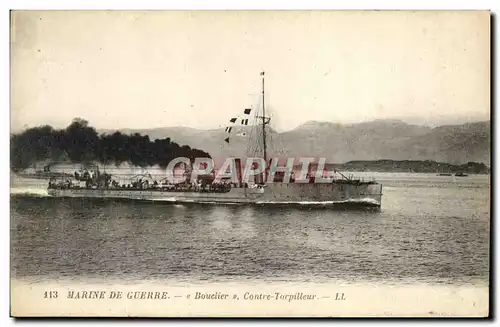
454	144
375	140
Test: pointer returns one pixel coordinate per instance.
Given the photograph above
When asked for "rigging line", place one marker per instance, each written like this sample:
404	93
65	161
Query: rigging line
249	139
251	145
273	146
258	131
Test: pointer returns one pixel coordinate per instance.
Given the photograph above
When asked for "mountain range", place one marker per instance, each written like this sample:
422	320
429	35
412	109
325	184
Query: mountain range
339	143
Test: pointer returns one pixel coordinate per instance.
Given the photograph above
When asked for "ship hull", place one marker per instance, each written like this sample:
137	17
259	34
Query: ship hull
340	195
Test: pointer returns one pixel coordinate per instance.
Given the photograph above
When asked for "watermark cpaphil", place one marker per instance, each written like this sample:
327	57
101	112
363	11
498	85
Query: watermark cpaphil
292	170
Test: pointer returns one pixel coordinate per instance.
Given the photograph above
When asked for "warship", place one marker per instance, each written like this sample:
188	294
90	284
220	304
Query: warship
268	186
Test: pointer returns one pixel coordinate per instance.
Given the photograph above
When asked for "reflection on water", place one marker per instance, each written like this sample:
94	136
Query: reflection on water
437	233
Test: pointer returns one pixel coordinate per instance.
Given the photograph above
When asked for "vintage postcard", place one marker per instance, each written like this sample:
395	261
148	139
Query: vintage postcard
250	163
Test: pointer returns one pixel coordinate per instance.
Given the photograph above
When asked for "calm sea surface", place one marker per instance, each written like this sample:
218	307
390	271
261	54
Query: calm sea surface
431	229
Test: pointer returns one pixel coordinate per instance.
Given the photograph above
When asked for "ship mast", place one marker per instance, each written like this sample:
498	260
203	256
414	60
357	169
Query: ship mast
265	121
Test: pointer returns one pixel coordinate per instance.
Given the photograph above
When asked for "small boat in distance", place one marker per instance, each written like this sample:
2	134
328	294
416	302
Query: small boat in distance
461	174
444	174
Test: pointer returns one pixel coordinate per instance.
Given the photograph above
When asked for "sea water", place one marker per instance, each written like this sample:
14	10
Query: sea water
431	230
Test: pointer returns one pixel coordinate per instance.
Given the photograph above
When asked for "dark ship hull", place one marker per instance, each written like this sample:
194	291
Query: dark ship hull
332	194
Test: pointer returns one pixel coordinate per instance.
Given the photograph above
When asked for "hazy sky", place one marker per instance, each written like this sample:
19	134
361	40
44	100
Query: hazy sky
152	69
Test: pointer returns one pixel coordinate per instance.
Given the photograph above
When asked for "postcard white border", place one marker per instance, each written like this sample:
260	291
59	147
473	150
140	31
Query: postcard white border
146	4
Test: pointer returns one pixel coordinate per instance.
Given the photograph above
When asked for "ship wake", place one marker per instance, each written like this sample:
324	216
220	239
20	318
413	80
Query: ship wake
26	191
365	201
